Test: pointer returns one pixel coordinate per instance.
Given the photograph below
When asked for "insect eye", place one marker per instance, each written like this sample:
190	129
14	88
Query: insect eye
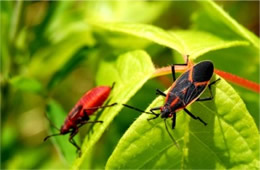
170	115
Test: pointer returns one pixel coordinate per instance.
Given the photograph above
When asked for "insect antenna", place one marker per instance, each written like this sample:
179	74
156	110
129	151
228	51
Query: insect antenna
136	109
174	141
47	137
113	85
52	124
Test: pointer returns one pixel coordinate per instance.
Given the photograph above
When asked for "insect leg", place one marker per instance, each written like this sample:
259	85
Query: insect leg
113	85
77	109
74	112
159	92
72	141
156	115
173	67
86	119
142	111
173	73
195	117
136	109
85	122
210	91
214	82
173	120
99	107
47	137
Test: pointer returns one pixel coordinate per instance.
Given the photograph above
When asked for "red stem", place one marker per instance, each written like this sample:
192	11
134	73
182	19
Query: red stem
239	81
227	76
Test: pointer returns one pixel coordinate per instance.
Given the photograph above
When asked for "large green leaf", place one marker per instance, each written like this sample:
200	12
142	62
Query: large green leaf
217	20
229	141
185	42
130	71
197	46
149	32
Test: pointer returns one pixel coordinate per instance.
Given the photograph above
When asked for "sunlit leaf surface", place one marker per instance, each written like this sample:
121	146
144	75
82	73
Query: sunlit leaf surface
229	141
52	52
185	42
149	32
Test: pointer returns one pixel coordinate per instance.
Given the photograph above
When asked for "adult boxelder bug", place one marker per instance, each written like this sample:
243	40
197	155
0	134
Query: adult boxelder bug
79	114
184	91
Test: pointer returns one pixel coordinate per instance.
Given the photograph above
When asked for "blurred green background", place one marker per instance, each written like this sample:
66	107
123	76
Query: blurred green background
49	51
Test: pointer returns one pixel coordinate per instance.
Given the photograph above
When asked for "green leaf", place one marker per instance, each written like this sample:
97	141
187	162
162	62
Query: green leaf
149	32
185	42
217	15
130	71
27	84
57	115
197	46
230	141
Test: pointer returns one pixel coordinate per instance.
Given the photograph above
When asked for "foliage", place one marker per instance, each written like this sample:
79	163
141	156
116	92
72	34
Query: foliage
201	147
53	52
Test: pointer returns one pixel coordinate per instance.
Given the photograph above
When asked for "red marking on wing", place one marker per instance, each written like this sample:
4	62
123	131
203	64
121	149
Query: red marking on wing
174	83
175	101
184	91
201	83
196	84
190	74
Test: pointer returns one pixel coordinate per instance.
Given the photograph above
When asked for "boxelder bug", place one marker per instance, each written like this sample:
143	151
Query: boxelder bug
79	115
184	91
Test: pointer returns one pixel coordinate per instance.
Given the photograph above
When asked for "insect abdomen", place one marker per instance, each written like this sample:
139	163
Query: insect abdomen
95	98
